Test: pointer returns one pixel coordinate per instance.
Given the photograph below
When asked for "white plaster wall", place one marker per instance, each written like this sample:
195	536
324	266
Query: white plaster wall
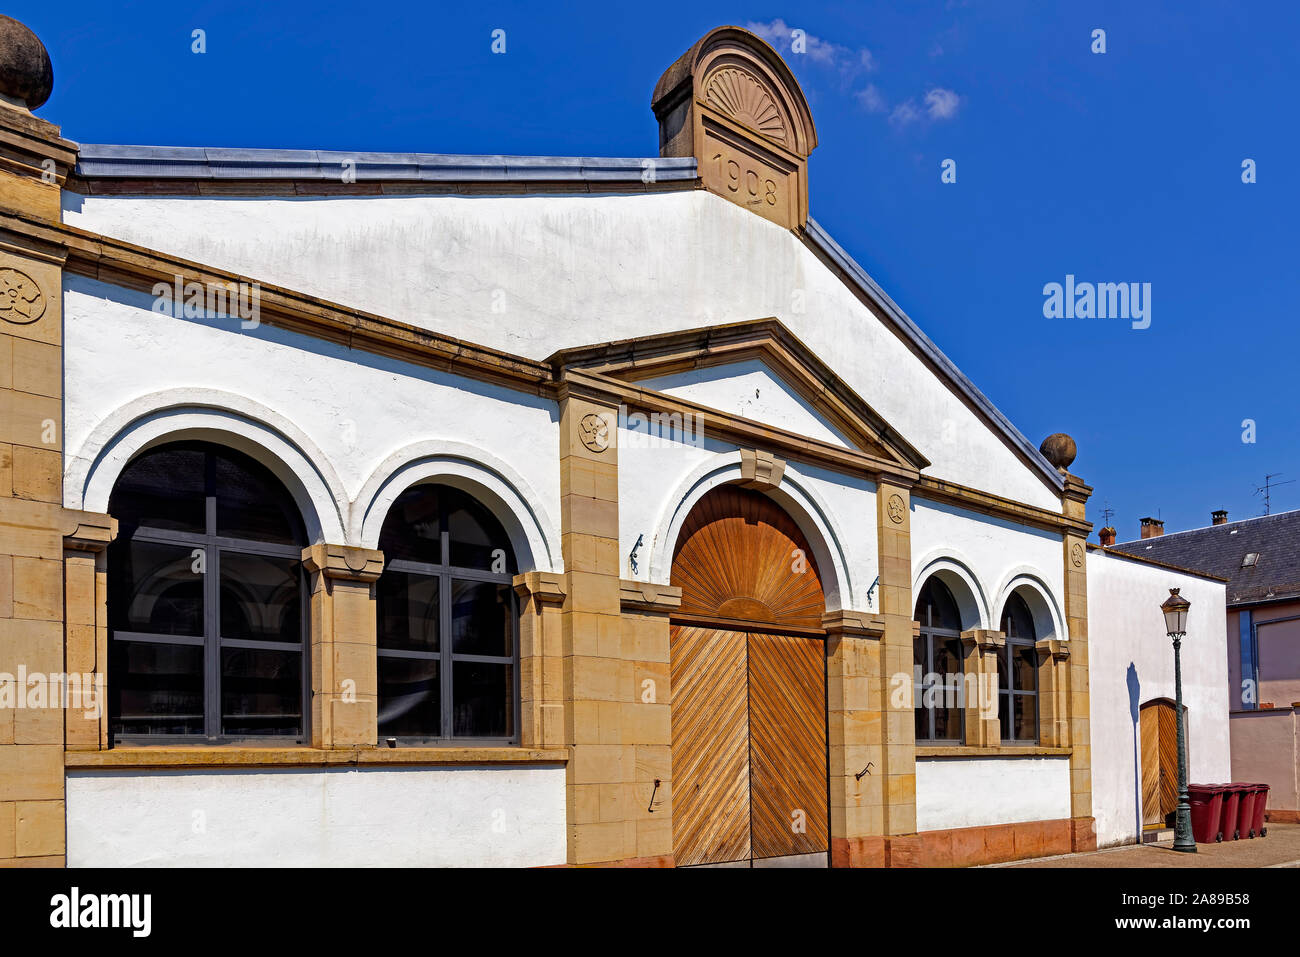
352	415
750	389
975	792
1130	662
995	553
335	817
570	271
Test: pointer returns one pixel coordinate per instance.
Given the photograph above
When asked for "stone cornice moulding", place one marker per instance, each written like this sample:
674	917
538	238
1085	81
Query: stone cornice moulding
769	341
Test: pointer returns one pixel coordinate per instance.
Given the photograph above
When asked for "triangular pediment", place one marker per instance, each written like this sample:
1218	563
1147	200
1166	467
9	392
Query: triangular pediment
756	370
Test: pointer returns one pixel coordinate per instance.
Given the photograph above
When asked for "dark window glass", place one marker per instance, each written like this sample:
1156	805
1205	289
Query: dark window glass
408	611
937	652
164	488
484	696
261	597
477	539
251	502
1026	717
1025	663
1018	673
209	547
157	589
412	530
448	572
481	618
260	691
410	697
156	688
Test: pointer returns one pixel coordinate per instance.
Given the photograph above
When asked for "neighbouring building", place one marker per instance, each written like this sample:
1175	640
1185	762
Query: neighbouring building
1260	558
419	509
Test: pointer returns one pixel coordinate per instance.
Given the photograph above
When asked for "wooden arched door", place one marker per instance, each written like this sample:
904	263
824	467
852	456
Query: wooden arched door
748	673
1158	732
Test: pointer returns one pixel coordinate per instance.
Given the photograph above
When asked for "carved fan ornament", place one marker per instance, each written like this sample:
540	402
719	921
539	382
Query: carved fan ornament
737	94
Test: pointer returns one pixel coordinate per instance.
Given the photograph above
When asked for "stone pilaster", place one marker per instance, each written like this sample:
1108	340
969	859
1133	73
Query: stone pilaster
646	723
541	659
981	701
898	727
855	741
1075	557
344	663
86	538
598	681
34	159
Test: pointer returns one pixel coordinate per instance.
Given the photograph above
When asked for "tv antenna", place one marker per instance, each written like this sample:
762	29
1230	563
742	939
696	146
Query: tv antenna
1107	514
1268	486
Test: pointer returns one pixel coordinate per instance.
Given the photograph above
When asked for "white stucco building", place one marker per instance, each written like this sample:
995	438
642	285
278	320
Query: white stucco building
544	510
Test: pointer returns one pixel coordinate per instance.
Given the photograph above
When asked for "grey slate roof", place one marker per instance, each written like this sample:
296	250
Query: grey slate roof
1220	549
187	162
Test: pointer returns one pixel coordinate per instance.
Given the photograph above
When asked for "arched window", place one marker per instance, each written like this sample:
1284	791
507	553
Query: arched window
1018	674
446	636
206	599
938	666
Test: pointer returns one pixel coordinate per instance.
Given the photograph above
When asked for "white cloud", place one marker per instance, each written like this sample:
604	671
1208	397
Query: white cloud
905	113
871	99
836	56
942	104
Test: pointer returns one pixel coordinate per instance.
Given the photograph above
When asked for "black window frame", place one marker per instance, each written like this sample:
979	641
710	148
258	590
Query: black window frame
928	632
212	641
445	573
1006	660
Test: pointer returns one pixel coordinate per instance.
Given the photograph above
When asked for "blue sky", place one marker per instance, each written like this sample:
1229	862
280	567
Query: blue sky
1123	166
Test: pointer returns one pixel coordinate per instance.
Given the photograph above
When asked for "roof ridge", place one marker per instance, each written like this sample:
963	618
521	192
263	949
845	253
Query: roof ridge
1205	528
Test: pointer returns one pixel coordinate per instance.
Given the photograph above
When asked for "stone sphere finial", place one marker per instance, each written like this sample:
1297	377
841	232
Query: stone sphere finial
26	74
1059	449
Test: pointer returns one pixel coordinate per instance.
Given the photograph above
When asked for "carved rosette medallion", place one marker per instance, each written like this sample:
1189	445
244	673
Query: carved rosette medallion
1076	555
21	300
593	430
896	509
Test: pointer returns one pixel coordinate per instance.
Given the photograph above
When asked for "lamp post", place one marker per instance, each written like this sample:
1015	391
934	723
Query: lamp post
1175	612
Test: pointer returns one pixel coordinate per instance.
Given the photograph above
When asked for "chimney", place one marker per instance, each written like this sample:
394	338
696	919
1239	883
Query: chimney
1107	536
1152	527
1219	516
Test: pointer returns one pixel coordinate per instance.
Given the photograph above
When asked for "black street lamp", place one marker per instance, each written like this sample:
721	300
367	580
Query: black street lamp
1175	612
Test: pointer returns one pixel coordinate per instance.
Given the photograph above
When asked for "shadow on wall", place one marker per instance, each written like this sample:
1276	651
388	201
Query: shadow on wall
1135	710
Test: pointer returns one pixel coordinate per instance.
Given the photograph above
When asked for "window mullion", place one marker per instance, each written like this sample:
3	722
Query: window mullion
212	640
444	645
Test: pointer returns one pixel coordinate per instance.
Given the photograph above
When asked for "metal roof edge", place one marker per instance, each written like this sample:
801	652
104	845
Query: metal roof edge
100	160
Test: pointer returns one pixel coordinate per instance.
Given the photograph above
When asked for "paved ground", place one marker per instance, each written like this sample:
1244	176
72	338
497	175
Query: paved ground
1281	848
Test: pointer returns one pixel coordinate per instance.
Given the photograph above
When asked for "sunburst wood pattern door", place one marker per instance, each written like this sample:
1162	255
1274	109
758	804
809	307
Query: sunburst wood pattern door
748	707
741	557
1158	733
710	734
787	745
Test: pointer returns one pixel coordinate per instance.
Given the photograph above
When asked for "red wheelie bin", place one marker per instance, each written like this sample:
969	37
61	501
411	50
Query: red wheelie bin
1231	805
1261	805
1246	810
1207	812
